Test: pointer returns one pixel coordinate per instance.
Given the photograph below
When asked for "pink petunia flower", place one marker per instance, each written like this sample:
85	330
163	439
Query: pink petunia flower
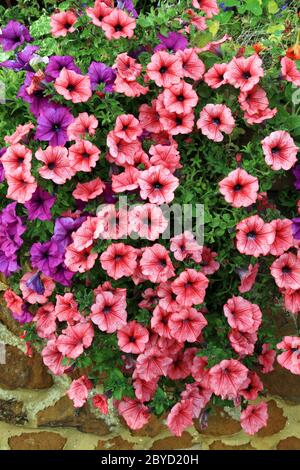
45	321
239	188
19	134
253	389
79	391
30	295
83	156
227	378
119	260
186	324
84	124
79	260
254	100
210	7
190	287
244	73
127	67
109	312
132	338
101	403
280	150
52	358
181	417
208	263
254	417
289	71
290	358
118	24
152	363
180	98
62	23
98	12
126	181
266	358
165	69
254	236
127	127
66	309
248	278
286	271
242	314
192	66
21	186
135	413
214	120
88	191
156	264
157	184
73	86
292	300
283	236
56	164
242	342
75	339
214	77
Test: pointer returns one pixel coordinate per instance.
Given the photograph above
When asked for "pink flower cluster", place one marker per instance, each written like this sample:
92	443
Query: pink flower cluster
170	346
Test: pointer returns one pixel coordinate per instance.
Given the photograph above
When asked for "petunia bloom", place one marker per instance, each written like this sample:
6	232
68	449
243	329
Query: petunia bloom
239	188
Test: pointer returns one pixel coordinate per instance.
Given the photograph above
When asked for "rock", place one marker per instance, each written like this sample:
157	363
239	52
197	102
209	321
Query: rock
37	441
11	411
218	445
219	424
290	443
20	371
276	421
117	443
152	428
169	443
63	413
282	383
6	318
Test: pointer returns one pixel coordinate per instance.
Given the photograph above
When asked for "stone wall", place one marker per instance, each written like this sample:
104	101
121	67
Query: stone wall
36	414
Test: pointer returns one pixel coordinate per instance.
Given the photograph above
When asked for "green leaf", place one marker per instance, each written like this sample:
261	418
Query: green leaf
40	27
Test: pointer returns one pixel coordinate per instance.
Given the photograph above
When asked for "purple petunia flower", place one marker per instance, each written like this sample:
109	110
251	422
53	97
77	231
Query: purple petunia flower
100	73
57	63
8	264
63	228
13	35
39	206
63	275
21	62
46	257
24	317
52	125
172	42
35	283
108	195
11	229
37	101
128	6
296	228
296	173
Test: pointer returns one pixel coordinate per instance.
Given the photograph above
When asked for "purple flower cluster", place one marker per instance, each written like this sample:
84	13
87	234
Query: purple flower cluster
39	206
14	35
48	257
100	73
11	229
22	59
